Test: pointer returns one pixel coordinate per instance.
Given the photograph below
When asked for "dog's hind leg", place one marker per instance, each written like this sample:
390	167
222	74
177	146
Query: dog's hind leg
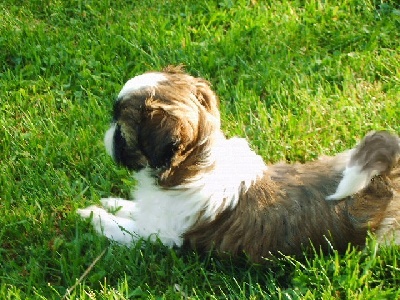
389	229
367	208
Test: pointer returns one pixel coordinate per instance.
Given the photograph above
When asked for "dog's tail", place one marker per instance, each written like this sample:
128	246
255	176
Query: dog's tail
377	154
375	201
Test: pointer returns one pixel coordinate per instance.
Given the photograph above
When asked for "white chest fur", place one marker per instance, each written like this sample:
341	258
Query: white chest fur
168	213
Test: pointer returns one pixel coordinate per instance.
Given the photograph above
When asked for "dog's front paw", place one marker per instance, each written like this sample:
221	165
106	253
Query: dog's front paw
97	215
111	203
114	227
87	212
120	207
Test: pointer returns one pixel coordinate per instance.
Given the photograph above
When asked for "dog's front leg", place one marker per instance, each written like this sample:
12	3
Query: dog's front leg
120	226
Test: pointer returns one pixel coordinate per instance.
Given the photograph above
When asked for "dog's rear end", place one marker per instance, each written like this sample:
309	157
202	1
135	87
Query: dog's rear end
372	177
388	230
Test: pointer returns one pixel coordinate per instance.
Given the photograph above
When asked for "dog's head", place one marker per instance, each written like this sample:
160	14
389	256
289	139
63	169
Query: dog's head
165	121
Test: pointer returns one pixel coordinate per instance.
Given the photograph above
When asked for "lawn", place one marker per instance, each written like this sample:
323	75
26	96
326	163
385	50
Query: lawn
296	78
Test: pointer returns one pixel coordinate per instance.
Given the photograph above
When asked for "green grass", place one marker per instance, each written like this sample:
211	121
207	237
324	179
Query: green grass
297	78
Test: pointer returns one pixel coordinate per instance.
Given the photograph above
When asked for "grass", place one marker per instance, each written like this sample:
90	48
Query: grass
297	78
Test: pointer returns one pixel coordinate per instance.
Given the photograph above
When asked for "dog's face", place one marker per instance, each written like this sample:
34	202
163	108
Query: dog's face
165	121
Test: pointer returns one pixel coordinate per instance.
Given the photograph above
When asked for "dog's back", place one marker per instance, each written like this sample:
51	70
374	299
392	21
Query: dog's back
291	207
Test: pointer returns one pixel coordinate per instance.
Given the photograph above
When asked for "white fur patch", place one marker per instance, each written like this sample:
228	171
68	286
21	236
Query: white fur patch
169	213
237	167
141	81
109	140
353	181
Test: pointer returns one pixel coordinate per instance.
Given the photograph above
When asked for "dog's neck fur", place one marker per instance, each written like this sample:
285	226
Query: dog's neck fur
235	168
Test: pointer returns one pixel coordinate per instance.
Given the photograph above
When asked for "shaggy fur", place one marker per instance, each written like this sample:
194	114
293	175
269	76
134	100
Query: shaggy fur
198	188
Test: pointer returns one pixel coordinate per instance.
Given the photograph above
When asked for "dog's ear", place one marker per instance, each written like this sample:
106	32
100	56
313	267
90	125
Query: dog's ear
202	88
158	141
207	97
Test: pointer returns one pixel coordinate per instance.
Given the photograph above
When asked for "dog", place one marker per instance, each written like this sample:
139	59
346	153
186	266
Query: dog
196	187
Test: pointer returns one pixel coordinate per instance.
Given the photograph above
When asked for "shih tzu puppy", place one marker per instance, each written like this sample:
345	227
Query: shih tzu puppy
197	187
